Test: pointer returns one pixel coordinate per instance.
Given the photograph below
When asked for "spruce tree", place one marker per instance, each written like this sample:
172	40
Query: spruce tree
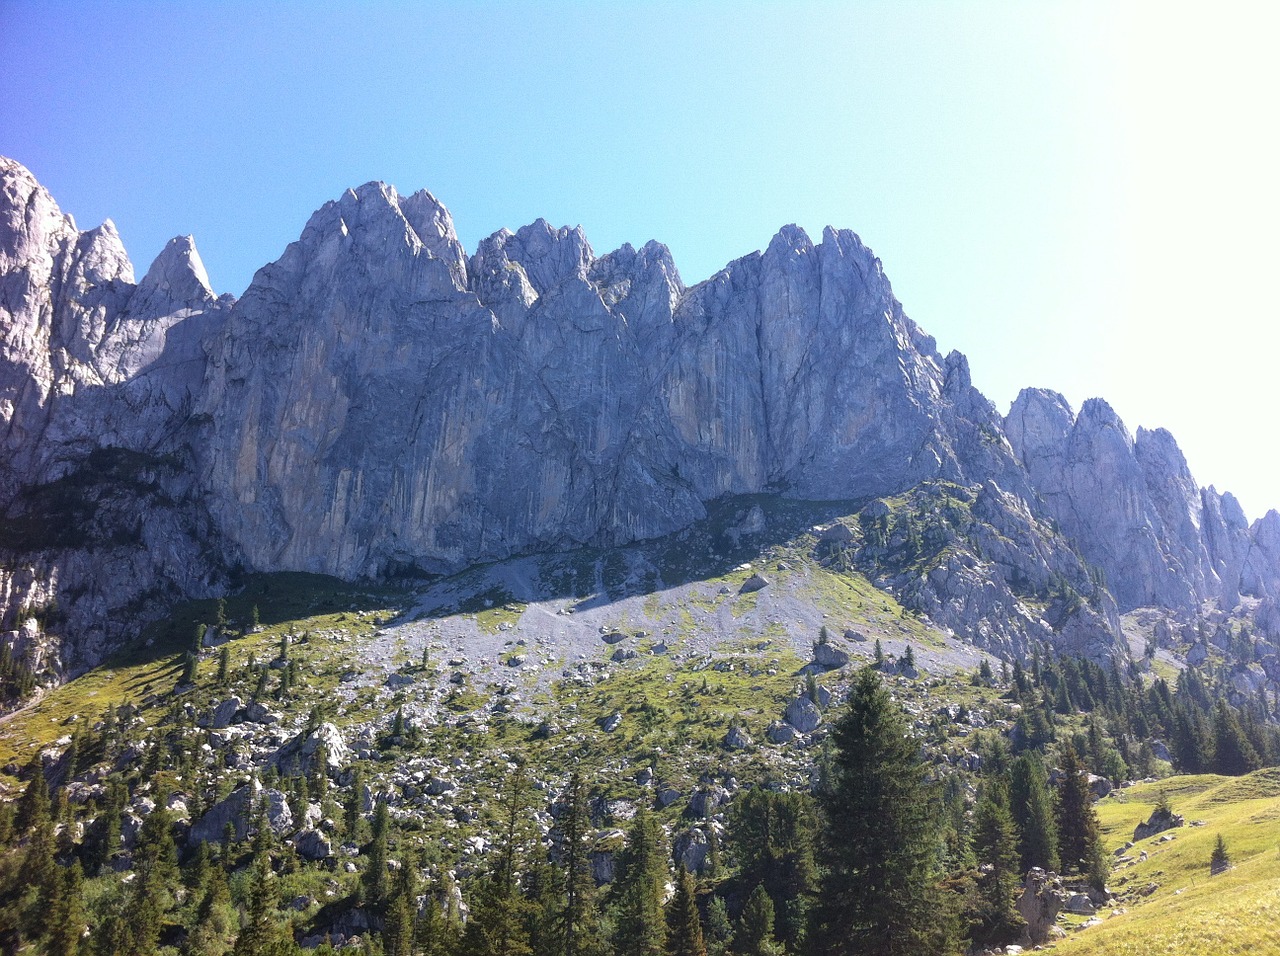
997	921
1233	754
1032	809
755	928
636	894
1077	821
1220	860
684	927
879	891
497	924
67	918
374	878
579	917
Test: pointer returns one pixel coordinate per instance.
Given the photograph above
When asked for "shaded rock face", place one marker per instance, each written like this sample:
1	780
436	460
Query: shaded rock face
379	402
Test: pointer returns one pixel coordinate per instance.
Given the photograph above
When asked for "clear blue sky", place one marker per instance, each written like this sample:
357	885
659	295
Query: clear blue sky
1078	196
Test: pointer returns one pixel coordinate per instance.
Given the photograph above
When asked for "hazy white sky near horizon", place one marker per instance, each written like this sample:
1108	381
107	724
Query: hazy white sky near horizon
1078	196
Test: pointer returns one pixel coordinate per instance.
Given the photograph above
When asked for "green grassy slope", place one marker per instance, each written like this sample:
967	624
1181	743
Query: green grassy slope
1190	912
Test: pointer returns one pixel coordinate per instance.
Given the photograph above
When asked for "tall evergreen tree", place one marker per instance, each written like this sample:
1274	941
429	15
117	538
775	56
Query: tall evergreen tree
773	838
1032	811
67	919
755	928
997	921
374	879
579	918
497	924
636	894
1077	821
1233	754
684	927
879	889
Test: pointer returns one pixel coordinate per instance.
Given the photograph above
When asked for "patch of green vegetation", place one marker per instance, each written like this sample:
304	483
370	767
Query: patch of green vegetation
1232	914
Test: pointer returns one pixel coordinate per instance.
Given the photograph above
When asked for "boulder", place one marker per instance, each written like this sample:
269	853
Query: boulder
737	738
829	656
298	754
1080	904
780	732
238	810
1158	822
1039	904
313	845
757	582
224	713
803	715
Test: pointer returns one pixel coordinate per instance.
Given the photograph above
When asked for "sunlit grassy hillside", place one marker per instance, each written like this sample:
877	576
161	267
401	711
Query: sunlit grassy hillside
1190	912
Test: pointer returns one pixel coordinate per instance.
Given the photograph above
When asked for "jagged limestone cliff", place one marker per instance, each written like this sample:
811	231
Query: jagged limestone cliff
378	402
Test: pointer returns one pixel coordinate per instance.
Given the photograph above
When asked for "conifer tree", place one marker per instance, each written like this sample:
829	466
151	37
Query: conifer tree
879	891
773	838
636	894
374	878
1233	754
67	918
400	931
33	805
755	935
1077	821
997	921
1032	811
684	927
260	935
497	924
719	930
1220	860
579	918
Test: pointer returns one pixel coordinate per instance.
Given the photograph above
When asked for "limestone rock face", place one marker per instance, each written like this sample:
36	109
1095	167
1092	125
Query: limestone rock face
1130	505
380	402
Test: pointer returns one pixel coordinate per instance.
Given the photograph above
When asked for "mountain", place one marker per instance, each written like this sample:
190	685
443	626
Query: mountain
379	404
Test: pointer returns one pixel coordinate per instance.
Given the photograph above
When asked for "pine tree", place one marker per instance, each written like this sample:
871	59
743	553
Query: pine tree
399	934
352	815
773	837
33	805
67	918
719	930
997	921
879	891
1233	754
684	928
636	894
224	665
260	935
1032	811
755	928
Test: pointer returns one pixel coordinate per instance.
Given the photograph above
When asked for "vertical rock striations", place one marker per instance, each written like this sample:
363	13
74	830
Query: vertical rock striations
378	401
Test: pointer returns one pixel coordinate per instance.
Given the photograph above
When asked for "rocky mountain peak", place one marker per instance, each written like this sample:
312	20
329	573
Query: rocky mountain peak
178	272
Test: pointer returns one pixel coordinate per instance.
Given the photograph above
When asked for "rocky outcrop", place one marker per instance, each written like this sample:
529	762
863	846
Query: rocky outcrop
1159	821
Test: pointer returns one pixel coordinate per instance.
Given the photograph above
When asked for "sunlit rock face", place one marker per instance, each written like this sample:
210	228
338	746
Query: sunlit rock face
1133	510
378	401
